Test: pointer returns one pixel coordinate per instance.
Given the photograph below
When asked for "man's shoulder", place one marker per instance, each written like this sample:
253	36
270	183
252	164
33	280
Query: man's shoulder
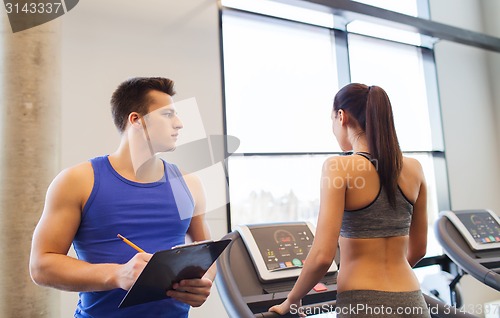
84	168
77	173
73	182
186	175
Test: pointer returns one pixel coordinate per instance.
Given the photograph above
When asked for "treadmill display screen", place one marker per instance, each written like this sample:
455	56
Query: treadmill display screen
283	247
482	226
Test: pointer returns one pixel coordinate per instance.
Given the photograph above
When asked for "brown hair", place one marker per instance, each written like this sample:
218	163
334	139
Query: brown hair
131	96
372	109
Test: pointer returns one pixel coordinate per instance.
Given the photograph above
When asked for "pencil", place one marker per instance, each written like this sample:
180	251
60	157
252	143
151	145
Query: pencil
137	248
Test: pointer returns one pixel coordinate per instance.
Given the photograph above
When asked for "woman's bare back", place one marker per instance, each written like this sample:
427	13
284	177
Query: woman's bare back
376	263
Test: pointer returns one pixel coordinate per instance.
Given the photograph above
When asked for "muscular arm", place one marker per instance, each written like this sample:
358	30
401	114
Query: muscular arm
418	230
198	229
49	263
322	253
195	291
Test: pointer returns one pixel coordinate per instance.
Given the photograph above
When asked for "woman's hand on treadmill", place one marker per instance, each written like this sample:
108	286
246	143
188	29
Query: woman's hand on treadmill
287	306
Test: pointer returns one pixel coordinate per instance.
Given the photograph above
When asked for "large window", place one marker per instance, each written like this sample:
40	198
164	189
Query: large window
279	78
281	74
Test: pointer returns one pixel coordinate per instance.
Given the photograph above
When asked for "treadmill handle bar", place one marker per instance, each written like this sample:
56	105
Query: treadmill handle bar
314	309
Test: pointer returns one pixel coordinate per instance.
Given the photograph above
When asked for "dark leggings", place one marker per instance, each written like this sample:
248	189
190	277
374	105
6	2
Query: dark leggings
375	303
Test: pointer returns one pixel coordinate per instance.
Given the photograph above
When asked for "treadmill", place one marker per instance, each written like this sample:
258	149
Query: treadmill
471	239
247	293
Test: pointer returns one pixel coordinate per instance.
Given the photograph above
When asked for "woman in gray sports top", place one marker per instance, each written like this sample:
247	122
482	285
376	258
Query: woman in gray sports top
373	203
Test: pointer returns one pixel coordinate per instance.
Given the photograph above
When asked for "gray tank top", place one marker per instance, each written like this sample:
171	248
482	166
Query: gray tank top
379	218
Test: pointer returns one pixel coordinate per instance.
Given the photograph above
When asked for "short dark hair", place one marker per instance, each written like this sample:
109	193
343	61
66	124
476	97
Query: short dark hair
131	96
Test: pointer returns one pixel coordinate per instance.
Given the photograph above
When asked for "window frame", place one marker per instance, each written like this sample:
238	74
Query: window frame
340	38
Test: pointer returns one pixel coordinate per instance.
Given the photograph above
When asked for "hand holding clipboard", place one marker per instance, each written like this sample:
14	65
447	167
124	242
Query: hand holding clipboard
171	266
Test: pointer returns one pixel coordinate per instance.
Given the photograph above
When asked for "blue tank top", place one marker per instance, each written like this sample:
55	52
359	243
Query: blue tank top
155	216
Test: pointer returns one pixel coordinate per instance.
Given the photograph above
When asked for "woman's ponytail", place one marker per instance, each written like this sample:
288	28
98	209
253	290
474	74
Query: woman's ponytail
382	140
371	108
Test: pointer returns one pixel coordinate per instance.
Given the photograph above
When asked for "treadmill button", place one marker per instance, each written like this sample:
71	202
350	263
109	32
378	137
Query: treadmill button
320	287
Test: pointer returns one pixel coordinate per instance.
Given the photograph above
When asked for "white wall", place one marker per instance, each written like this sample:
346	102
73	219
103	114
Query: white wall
468	107
470	102
105	42
491	22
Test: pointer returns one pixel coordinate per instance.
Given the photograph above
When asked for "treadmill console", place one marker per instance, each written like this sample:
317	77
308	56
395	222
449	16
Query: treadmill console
480	228
279	250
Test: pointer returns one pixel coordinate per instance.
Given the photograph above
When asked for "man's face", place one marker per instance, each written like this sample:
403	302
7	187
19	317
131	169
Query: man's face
161	123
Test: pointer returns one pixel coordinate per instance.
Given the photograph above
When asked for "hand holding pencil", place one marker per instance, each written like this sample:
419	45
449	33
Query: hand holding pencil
127	273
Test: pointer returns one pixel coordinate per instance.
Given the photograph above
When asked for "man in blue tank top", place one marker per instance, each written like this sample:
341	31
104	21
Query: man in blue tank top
130	192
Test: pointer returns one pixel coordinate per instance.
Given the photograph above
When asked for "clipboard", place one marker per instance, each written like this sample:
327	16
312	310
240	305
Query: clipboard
171	266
